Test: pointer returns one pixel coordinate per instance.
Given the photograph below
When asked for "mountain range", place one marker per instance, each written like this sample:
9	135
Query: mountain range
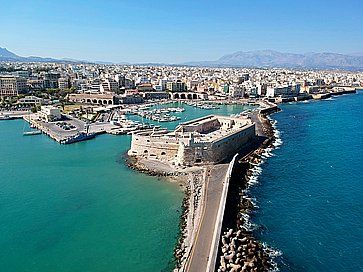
6	55
258	58
270	58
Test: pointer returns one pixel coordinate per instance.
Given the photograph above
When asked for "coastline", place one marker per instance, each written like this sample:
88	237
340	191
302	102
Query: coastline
239	250
192	182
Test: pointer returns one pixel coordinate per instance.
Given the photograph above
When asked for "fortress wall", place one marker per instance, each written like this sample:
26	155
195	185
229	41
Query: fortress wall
204	126
186	152
219	150
156	147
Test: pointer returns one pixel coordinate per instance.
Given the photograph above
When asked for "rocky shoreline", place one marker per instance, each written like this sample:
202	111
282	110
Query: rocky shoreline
192	183
238	249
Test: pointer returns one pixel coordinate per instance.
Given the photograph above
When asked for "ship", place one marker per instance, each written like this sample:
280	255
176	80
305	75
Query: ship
82	136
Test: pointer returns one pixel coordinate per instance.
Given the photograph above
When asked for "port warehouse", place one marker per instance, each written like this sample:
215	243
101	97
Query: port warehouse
209	139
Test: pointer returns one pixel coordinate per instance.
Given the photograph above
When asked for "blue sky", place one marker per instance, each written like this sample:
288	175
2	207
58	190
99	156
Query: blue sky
177	31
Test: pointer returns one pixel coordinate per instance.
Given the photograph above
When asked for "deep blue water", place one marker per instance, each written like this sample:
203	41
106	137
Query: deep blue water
310	193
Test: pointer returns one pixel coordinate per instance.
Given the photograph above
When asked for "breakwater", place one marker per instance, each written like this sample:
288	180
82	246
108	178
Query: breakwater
241	246
239	250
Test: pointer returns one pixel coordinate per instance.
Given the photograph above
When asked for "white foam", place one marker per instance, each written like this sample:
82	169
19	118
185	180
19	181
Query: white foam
247	225
252	180
272	253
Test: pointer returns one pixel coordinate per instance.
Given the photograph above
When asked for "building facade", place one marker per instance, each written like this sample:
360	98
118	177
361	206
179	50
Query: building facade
12	85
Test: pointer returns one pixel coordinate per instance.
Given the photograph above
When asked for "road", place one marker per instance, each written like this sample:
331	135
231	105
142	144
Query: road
199	256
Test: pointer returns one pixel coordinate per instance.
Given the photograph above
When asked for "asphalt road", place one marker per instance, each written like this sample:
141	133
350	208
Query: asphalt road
199	256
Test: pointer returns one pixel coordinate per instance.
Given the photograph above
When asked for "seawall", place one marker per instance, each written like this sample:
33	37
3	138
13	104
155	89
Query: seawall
238	249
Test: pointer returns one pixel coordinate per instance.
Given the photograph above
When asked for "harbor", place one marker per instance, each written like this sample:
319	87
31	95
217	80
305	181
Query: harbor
67	129
206	197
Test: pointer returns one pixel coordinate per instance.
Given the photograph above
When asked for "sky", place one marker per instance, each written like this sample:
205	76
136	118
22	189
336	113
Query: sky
173	31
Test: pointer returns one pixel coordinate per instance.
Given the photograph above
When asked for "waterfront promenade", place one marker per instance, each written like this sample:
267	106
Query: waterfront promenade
199	256
204	251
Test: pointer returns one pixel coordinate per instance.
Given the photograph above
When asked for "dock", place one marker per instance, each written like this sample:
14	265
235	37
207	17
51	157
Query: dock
61	135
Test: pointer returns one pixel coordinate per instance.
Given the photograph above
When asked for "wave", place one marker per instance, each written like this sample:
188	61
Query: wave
253	179
267	153
273	254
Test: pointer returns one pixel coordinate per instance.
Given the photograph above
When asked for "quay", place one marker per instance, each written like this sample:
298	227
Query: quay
59	134
11	115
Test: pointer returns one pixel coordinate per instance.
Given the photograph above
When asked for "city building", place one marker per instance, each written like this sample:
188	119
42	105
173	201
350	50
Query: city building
31	100
50	113
12	85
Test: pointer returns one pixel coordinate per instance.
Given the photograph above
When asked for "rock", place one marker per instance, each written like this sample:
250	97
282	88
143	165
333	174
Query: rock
234	267
224	249
229	233
243	240
230	256
223	262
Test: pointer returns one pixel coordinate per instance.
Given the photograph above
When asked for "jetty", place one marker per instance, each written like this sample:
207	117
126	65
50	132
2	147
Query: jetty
204	251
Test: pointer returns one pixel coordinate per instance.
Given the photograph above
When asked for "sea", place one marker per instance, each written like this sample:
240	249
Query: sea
78	207
309	191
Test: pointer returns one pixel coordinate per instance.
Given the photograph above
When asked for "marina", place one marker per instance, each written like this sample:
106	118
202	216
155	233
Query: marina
159	114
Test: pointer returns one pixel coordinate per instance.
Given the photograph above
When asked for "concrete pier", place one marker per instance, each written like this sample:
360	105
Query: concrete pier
58	134
205	247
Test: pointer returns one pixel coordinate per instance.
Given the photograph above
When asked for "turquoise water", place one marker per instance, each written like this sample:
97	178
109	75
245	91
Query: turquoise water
310	193
79	208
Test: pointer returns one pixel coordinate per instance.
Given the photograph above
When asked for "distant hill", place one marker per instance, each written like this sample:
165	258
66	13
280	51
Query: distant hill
259	58
270	58
6	55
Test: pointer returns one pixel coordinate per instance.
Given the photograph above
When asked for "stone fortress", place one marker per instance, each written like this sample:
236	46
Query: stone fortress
210	139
